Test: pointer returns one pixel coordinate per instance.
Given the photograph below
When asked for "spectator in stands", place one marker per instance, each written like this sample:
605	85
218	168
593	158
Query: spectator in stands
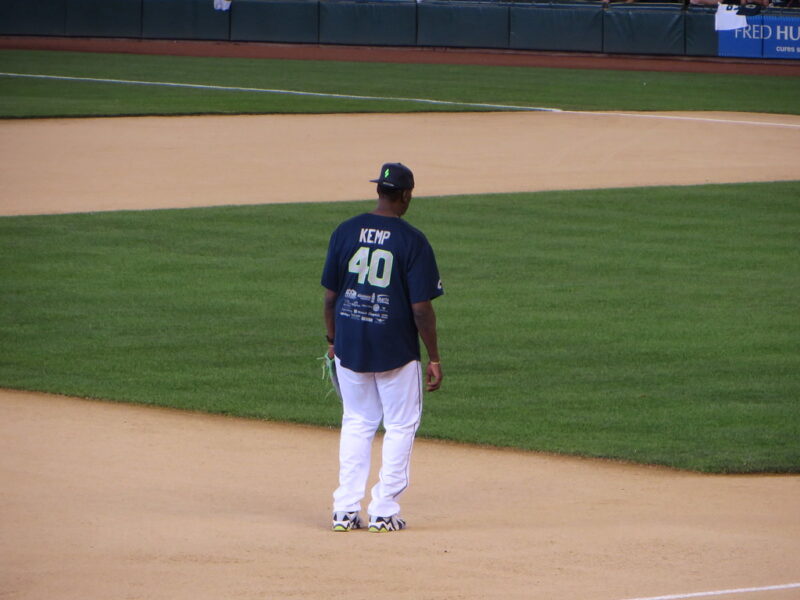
716	2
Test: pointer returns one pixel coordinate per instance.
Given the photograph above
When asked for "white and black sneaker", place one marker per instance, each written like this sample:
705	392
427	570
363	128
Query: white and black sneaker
345	521
385	524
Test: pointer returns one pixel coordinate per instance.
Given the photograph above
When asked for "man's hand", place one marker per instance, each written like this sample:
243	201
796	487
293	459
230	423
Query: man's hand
433	376
329	303
425	320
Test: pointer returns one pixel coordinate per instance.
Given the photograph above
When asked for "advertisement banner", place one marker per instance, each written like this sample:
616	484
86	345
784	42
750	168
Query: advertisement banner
782	37
756	35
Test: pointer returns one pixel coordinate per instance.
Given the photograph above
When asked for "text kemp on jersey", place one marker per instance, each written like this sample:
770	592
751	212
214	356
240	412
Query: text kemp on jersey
374	236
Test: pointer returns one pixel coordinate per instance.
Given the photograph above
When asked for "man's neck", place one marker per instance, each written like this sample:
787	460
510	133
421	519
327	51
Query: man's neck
384	209
384	213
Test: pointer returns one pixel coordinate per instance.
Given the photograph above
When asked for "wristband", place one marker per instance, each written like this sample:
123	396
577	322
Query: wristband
330	339
434	362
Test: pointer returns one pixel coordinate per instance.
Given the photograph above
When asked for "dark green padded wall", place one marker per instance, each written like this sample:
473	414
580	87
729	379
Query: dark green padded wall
104	18
668	28
563	26
291	21
701	37
462	24
33	17
184	20
644	29
368	23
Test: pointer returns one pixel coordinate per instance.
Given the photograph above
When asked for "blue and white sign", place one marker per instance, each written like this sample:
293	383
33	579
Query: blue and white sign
782	37
743	41
757	36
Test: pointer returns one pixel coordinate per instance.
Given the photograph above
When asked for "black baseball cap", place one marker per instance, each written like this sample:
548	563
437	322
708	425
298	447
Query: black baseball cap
395	175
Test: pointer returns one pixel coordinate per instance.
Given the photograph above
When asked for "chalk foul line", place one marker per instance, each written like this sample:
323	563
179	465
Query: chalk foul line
768	588
499	107
681	118
198	86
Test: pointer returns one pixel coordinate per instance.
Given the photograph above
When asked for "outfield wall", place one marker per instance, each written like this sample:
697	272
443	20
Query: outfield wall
569	25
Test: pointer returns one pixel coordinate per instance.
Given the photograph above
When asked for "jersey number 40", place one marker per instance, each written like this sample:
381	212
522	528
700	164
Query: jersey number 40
375	268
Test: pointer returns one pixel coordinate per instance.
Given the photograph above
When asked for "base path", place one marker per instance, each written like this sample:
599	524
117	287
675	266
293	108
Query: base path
103	500
76	165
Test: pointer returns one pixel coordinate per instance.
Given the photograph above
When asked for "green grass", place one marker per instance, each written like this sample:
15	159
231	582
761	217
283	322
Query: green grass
521	86
655	325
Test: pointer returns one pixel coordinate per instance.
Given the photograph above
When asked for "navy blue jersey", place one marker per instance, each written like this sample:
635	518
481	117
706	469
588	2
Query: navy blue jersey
378	266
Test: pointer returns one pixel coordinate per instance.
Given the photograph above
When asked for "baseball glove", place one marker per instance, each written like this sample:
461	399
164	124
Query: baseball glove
329	373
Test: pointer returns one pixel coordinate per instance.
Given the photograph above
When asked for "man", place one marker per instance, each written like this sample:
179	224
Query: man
380	277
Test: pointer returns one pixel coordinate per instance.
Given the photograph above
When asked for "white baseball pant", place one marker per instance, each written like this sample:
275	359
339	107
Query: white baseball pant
367	398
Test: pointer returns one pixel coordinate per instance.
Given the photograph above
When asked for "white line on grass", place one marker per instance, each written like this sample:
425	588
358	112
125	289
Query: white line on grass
768	588
198	86
503	107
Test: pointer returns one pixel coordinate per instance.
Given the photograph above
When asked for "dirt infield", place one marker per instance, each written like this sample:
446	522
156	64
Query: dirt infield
63	165
114	501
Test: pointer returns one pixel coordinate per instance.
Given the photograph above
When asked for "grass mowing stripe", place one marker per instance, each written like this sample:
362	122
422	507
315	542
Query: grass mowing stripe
654	325
284	92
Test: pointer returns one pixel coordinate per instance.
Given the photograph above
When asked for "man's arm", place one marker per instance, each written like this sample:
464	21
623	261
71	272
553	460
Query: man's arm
330	318
425	319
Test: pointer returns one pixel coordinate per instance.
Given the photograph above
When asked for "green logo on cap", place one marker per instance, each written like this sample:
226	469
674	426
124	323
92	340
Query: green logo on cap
386	174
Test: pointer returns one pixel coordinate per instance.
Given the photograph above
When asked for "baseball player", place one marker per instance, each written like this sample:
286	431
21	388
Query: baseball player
380	277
